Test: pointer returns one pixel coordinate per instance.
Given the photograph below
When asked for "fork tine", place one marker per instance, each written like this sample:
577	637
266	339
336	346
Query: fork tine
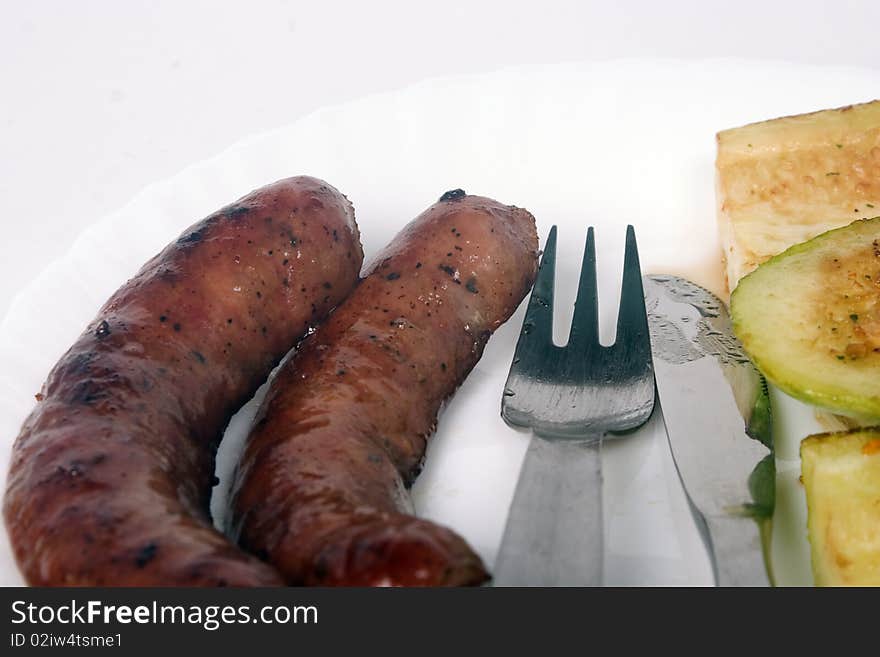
534	348
632	321
537	328
585	321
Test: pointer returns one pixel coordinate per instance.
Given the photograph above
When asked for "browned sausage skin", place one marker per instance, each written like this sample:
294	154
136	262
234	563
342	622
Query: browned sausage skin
321	490
111	475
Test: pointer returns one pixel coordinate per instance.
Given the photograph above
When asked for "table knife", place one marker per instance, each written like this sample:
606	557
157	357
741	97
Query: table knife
717	413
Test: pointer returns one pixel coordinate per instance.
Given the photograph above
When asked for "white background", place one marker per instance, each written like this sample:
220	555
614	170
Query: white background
102	97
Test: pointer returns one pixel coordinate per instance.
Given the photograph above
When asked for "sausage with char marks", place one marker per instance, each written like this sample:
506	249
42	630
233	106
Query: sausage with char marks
111	475
321	492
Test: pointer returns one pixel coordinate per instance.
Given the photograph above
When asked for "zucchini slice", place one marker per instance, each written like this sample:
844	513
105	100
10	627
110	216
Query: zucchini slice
841	475
809	319
784	181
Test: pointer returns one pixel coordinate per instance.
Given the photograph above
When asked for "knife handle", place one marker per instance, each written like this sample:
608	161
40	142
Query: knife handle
553	535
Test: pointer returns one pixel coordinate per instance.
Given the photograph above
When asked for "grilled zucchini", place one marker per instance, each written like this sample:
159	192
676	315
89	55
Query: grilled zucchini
809	319
841	475
784	181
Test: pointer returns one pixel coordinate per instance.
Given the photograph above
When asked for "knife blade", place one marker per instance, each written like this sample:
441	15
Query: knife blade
717	413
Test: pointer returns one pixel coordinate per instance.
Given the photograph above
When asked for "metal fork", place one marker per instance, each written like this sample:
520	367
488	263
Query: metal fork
571	397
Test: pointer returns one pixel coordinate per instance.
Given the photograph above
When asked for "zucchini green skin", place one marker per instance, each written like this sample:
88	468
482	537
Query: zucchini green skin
777	310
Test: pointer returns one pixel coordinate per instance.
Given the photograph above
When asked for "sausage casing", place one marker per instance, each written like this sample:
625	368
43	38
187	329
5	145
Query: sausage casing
111	475
321	490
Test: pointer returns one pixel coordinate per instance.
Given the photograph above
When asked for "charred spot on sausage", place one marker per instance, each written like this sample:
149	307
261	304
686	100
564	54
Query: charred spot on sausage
146	554
194	237
236	211
87	392
453	194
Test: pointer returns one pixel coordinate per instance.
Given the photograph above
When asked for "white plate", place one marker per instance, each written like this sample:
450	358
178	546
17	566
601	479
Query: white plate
582	144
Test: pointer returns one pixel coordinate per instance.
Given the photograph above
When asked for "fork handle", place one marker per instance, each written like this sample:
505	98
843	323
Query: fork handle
553	535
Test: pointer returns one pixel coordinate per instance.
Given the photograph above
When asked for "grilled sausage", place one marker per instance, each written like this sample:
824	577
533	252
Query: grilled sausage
321	489
111	475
